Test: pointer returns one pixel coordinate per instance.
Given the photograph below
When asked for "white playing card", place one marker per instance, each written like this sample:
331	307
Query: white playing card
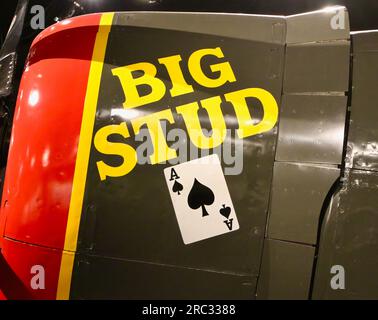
201	199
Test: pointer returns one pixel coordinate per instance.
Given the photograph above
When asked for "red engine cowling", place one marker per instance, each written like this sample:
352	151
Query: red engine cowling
38	183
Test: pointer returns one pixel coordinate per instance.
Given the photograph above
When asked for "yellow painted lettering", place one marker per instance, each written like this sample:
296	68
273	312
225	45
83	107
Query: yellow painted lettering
123	150
162	152
130	84
189	113
179	85
246	125
224	68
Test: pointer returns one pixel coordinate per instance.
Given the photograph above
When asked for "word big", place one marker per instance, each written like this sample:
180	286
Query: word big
147	76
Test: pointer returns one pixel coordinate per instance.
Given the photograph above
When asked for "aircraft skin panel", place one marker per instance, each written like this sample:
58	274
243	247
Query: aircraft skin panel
152	238
79	201
309	152
349	231
39	176
286	271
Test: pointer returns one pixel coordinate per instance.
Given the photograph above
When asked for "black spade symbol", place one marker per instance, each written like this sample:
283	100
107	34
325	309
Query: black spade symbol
200	196
225	211
177	187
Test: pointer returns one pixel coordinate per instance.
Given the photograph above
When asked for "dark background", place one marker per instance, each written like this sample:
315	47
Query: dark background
363	13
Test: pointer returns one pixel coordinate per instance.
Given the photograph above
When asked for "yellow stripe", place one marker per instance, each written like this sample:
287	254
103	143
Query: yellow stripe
65	275
80	175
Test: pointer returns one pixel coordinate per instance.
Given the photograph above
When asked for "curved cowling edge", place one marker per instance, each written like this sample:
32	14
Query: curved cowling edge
42	155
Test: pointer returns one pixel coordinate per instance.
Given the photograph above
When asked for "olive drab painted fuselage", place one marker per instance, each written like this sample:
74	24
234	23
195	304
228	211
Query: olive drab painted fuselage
188	112
93	180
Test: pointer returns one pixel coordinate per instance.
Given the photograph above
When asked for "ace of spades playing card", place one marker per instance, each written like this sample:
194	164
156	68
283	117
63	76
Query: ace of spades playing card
201	199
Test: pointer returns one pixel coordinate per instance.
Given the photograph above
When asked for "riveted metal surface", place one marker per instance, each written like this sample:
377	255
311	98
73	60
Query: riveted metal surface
317	67
41	160
237	26
285	270
363	134
42	154
298	193
129	242
8	50
139	280
350	230
365	41
7	64
349	239
310	144
17	268
311	128
318	26
131	217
